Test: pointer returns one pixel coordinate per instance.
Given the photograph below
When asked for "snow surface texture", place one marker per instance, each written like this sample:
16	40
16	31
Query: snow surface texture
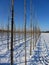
40	55
41	52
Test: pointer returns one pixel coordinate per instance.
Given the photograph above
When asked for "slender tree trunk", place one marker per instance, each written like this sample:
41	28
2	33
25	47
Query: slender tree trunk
25	28
12	22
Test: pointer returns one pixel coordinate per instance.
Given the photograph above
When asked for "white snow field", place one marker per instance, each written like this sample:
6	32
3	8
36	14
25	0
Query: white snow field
40	54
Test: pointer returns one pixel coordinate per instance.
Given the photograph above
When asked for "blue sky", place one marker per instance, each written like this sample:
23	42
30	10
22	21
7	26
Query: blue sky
40	8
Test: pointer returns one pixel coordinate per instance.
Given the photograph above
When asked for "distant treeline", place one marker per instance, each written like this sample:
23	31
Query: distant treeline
44	31
22	31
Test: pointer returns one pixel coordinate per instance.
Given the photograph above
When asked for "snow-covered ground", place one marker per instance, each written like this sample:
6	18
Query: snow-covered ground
40	54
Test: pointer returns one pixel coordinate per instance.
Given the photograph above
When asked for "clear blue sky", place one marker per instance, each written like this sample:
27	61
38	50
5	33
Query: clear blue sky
41	8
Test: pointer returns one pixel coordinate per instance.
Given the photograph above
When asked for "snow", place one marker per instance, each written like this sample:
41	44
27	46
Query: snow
40	54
